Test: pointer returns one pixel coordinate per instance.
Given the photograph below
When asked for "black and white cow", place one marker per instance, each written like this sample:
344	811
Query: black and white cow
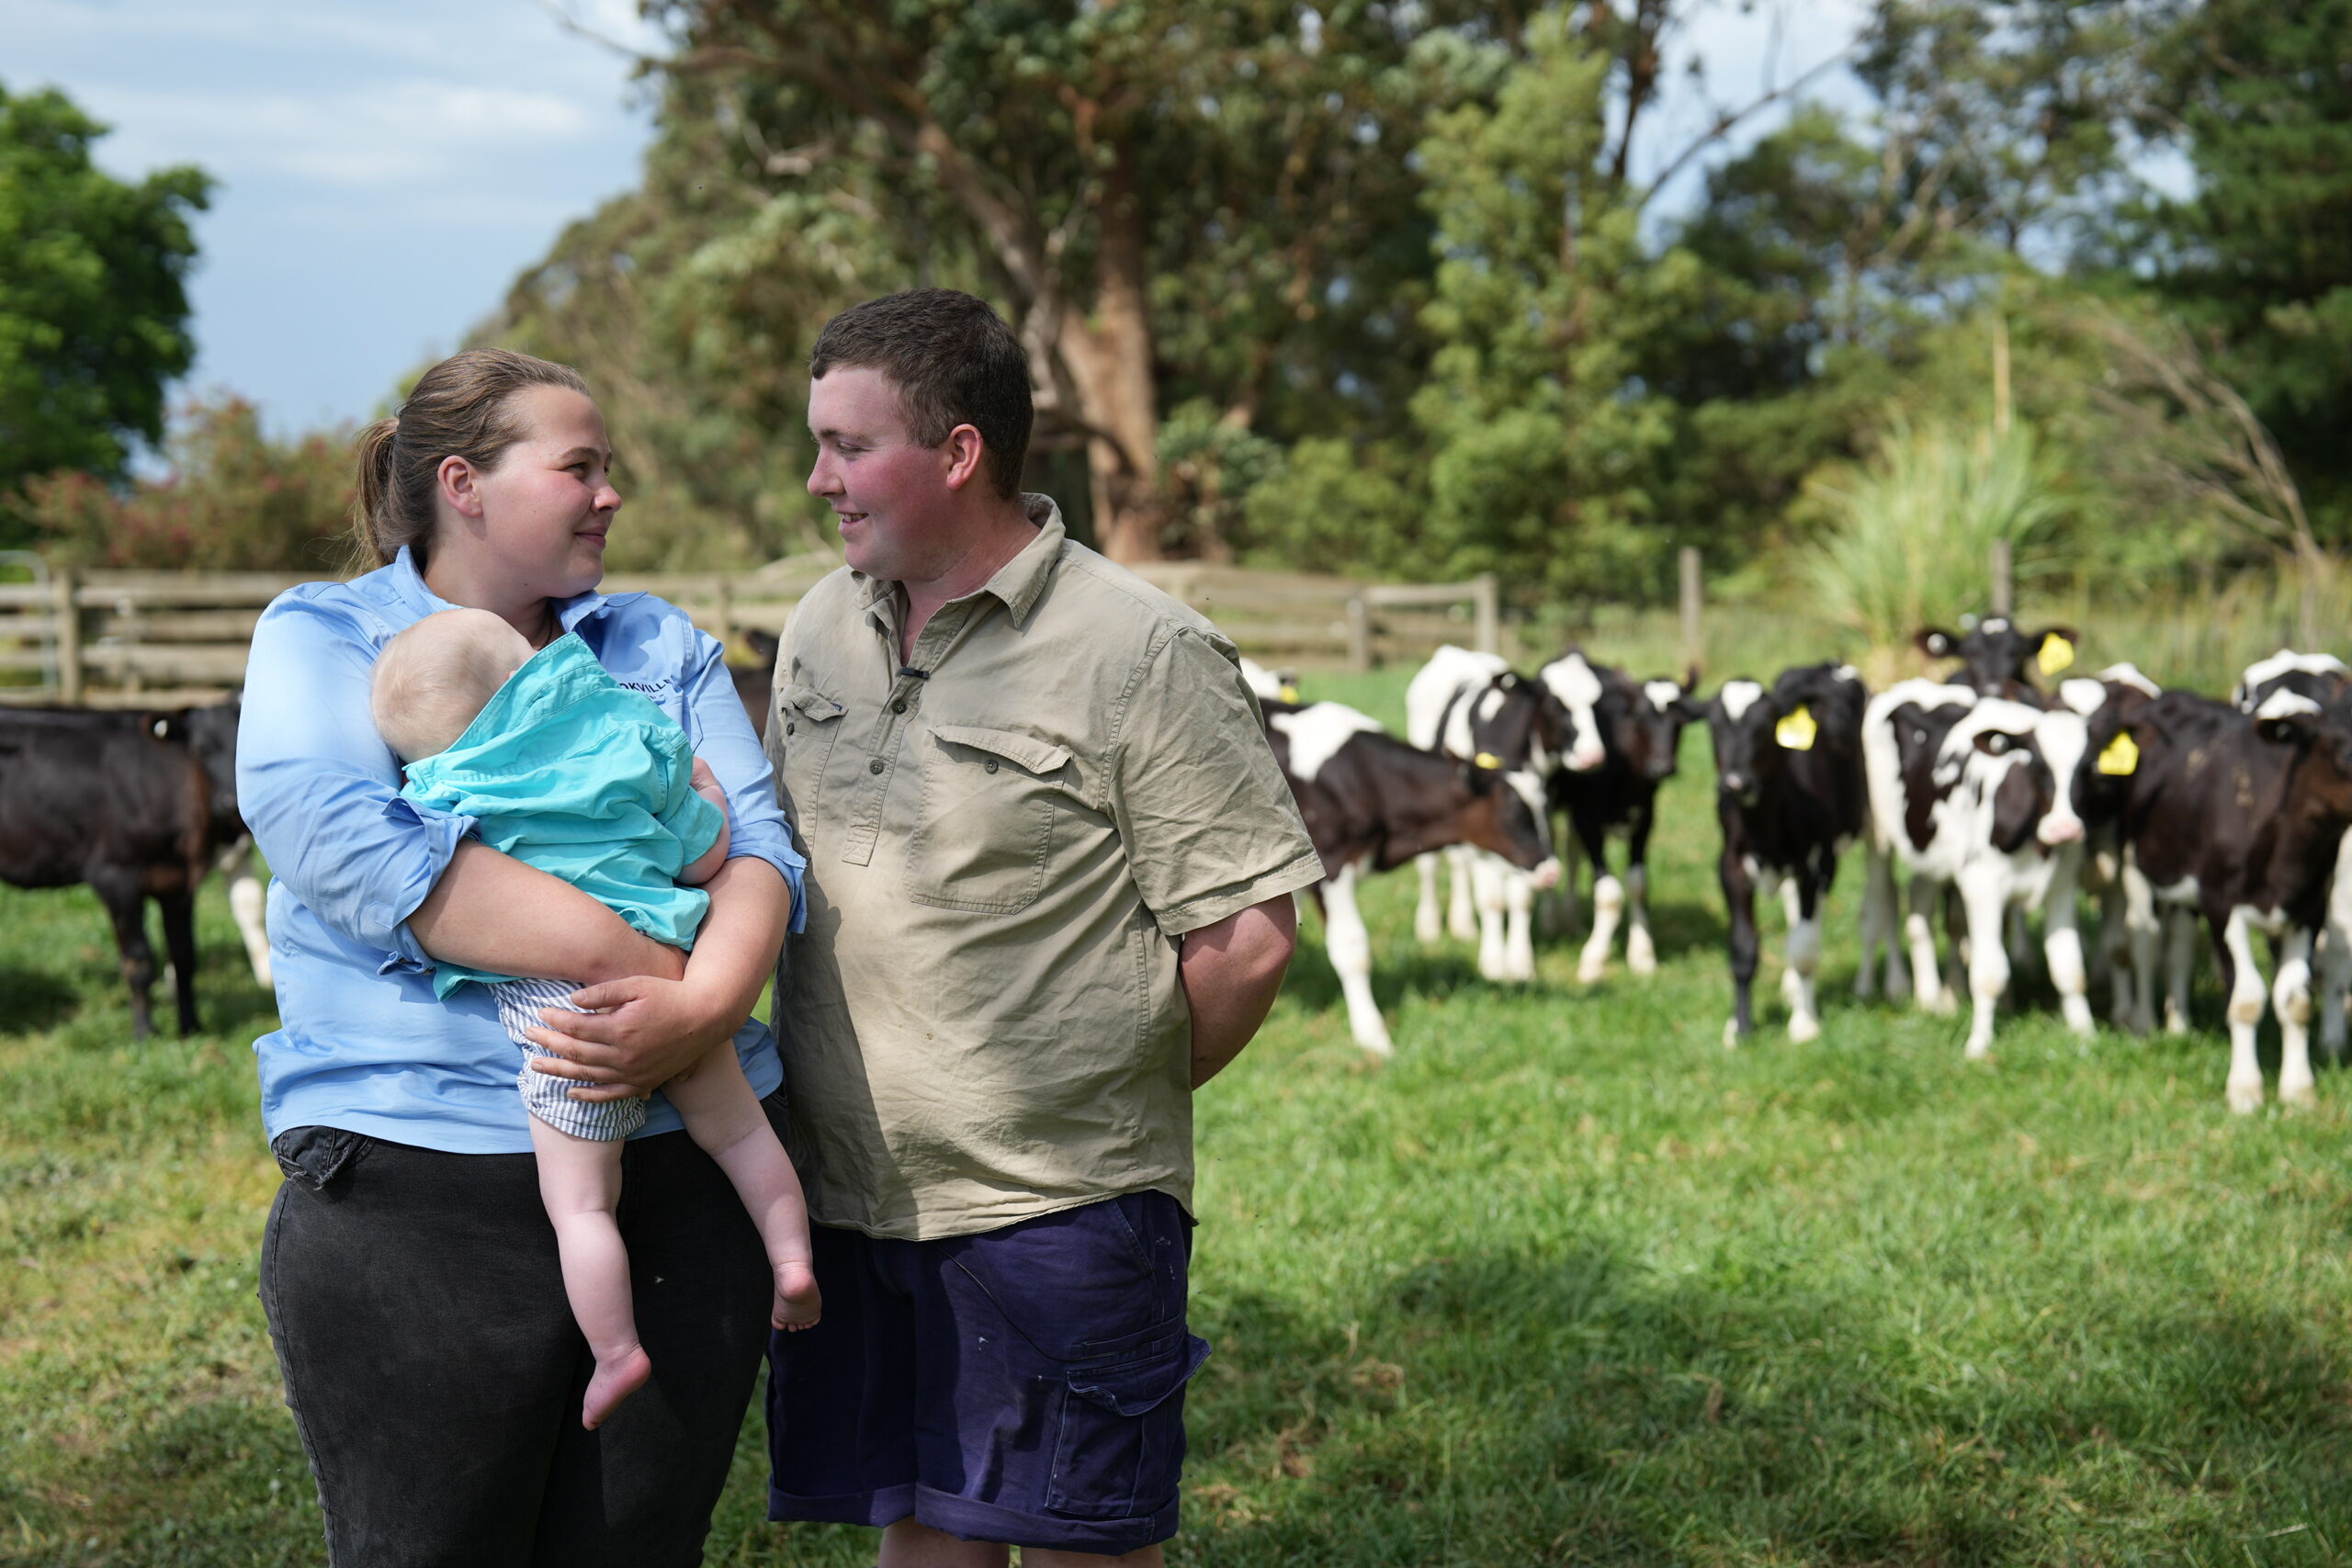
102	799
1474	708
1977	793
2321	678
2129	919
1791	797
1999	658
1372	802
2239	817
1641	735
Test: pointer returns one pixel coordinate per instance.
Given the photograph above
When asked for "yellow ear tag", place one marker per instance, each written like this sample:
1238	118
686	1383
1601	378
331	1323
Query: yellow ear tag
2056	654
1488	760
2121	755
1288	693
1795	732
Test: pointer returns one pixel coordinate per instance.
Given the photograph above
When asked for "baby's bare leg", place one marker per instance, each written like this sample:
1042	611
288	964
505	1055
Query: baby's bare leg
579	1183
724	1117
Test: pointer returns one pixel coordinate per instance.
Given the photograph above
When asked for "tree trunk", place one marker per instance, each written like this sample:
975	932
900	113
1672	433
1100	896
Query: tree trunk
1110	356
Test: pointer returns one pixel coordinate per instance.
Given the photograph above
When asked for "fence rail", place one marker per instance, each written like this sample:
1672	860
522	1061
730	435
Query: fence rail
150	639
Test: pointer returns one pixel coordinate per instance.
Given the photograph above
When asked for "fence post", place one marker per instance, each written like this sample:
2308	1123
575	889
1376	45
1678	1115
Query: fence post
1359	634
722	610
1488	602
68	636
2004	581
1694	635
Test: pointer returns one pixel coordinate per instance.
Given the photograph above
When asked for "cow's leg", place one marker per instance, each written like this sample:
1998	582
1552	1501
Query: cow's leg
1571	910
2335	970
1488	873
1983	894
2243	981
178	910
248	903
1801	899
1429	925
1519	911
1919	927
2180	967
126	905
1878	924
1641	953
1461	893
1739	898
2143	929
1608	907
2290	993
2062	942
1350	947
2019	937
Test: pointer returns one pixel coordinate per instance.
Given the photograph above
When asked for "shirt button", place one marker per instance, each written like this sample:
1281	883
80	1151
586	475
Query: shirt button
898	706
992	764
875	766
788	729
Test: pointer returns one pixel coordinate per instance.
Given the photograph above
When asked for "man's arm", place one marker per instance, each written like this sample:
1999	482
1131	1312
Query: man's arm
1231	971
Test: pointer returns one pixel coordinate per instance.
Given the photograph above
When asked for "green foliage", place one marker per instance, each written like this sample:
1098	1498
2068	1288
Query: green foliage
1913	528
235	499
93	308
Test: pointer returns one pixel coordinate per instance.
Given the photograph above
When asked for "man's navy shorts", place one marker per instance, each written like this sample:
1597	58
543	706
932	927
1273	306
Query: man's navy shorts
1025	1386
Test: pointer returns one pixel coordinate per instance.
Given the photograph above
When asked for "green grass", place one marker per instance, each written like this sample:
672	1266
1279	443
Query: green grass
1567	1282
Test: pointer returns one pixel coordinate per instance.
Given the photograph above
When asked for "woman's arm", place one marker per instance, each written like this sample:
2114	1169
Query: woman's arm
647	1031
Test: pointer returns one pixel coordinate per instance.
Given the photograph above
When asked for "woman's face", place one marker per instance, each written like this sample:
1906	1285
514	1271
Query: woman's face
547	506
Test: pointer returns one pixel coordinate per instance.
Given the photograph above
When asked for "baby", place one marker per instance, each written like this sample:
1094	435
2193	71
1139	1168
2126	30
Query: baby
569	771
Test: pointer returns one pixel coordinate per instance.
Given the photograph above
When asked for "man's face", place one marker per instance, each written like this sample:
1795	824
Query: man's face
889	493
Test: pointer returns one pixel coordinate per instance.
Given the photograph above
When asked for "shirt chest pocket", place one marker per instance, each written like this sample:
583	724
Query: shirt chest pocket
984	829
802	732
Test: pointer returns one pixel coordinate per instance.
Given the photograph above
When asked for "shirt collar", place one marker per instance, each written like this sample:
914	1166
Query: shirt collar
407	585
1019	582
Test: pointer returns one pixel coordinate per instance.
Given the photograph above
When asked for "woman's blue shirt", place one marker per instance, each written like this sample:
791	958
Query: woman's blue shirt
363	1043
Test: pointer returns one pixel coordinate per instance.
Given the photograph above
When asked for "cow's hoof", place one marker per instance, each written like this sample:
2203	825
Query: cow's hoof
1731	1034
2302	1096
1942	1006
2245	1098
1804	1028
1978	1050
1641	964
1590	971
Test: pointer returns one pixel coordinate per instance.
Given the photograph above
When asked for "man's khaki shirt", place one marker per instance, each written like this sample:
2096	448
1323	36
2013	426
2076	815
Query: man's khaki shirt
1006	837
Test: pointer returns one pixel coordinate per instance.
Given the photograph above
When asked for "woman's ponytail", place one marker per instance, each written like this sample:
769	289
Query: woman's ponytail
459	409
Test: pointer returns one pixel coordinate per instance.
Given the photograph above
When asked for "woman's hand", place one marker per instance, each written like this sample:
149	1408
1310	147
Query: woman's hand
647	1031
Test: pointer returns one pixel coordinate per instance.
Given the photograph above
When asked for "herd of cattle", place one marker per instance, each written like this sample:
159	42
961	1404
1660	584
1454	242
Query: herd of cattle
1994	798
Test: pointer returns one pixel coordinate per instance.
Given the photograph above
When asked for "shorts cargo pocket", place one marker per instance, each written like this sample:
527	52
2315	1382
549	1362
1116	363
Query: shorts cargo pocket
1121	1448
800	739
985	827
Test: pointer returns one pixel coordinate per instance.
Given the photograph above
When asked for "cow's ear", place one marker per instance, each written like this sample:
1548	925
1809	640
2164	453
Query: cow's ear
1687	708
1690	679
2053	649
1507	680
1936	643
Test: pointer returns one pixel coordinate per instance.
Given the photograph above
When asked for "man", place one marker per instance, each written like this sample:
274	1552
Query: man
1051	861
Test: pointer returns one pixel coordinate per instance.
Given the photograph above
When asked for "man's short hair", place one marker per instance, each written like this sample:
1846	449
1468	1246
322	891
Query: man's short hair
954	361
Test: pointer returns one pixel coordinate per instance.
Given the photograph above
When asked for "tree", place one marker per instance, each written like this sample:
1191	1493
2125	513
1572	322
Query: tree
93	308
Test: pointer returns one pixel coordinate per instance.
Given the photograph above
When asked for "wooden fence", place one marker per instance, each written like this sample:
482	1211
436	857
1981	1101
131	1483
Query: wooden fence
161	639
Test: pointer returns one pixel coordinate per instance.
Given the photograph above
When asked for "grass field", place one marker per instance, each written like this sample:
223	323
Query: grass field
1567	1282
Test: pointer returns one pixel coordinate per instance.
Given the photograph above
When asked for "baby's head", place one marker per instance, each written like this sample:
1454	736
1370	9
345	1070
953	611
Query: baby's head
432	679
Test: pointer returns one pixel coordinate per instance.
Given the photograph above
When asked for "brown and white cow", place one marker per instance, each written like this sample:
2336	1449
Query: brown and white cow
1790	794
2239	817
1371	803
2321	677
1974	793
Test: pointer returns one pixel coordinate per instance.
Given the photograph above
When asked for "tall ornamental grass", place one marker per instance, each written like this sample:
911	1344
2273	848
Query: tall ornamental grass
1912	530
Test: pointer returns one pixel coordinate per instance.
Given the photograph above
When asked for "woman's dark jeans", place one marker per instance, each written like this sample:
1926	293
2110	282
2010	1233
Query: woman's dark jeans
435	1374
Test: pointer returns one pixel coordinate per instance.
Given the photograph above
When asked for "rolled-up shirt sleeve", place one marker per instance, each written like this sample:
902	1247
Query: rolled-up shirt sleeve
1208	824
722	735
321	790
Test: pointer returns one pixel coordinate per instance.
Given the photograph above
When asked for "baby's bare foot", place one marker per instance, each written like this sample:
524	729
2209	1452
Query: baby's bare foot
615	1381
797	1305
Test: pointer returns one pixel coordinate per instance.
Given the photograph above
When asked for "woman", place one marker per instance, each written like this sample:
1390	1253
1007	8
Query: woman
409	1272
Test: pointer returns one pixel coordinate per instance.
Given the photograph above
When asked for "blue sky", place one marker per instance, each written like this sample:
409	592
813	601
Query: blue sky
386	170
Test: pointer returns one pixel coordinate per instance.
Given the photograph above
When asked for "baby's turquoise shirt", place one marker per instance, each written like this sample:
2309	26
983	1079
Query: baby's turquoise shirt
569	771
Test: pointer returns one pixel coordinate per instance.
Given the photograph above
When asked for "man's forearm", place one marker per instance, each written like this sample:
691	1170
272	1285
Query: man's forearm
491	911
1231	973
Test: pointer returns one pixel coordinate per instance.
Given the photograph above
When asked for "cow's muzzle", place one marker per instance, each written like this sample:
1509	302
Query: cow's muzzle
1545	877
2056	830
